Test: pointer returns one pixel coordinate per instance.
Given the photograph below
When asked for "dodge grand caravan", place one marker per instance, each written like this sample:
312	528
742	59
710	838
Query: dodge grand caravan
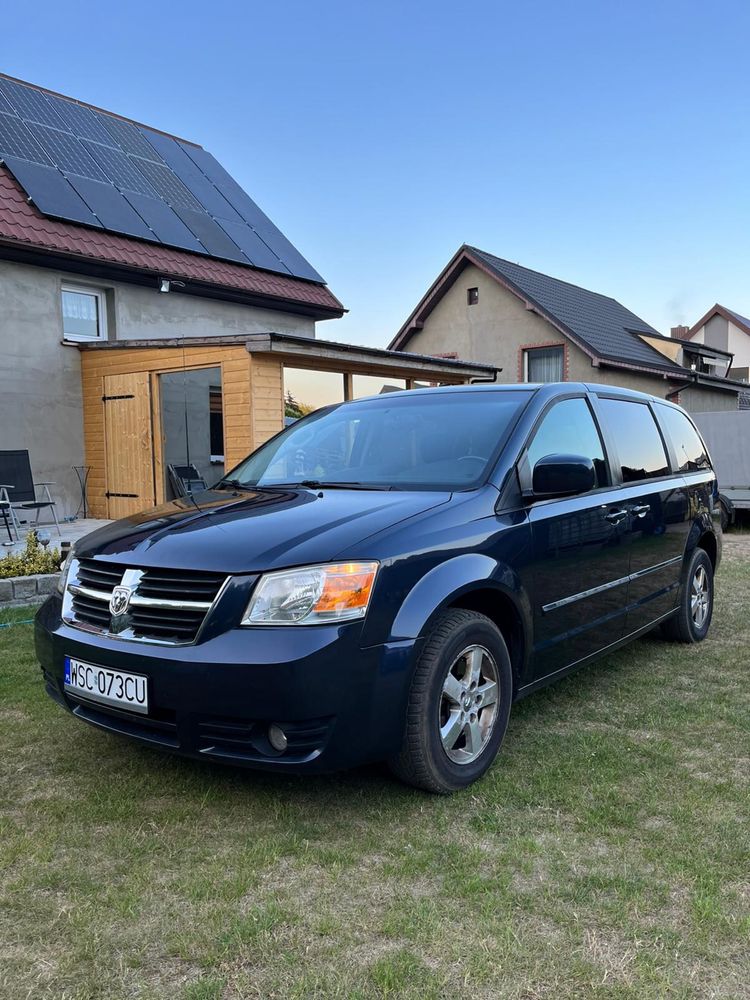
383	578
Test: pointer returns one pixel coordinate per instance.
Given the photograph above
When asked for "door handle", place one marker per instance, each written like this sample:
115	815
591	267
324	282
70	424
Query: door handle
615	516
641	511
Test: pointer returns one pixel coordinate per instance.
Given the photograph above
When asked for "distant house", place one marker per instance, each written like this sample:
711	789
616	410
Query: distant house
150	313
723	330
542	329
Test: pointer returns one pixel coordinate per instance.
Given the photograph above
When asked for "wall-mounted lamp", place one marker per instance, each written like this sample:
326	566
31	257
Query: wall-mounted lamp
167	284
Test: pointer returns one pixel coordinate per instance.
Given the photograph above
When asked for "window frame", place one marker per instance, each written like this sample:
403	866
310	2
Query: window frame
615	463
523	466
101	308
543	347
472	296
674	460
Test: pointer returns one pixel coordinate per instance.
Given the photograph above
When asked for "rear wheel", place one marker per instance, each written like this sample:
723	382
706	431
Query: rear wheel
725	516
458	705
693	618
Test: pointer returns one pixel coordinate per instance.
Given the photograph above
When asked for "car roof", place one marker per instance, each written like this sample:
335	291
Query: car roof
550	389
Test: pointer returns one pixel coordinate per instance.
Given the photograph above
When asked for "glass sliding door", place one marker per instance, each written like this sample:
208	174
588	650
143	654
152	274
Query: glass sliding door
192	425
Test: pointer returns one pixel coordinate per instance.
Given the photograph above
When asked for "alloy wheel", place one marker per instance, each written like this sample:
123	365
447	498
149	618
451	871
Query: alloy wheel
468	704
699	597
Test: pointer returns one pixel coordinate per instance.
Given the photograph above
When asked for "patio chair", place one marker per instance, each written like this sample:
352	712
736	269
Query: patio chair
18	491
5	515
185	480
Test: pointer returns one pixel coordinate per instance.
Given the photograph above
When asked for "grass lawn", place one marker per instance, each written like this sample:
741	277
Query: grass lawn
606	854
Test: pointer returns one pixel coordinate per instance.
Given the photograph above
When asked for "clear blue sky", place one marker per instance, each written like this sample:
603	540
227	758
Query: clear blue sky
607	144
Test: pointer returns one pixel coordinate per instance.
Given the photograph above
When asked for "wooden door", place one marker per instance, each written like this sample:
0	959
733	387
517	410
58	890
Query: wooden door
128	441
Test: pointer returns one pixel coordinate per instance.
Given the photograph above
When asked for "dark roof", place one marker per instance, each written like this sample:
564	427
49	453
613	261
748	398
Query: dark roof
742	320
599	322
719	310
22	226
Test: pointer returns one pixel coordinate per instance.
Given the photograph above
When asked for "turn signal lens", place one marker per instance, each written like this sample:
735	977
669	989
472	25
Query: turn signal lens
313	595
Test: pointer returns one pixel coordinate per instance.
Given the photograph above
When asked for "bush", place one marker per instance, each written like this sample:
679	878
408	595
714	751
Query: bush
34	559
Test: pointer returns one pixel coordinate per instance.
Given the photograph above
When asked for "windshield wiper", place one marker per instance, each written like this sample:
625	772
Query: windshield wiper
316	484
231	484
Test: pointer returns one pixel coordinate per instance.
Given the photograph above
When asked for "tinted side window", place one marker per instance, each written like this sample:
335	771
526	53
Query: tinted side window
639	443
568	428
691	454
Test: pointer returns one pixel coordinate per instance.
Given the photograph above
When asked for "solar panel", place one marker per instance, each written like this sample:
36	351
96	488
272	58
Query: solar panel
30	104
81	121
166	184
16	140
227	185
112	210
67	152
176	158
119	168
162	220
214	239
252	214
287	252
126	136
50	191
91	167
253	247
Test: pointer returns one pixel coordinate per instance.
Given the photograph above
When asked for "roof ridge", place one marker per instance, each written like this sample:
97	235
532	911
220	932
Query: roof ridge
95	107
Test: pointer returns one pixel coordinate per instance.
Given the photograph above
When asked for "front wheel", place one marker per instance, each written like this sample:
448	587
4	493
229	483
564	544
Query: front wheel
693	618
459	704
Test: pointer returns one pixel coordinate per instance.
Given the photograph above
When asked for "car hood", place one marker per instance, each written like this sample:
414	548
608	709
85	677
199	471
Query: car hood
243	532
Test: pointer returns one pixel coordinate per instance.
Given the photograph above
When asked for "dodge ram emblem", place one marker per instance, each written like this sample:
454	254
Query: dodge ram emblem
119	601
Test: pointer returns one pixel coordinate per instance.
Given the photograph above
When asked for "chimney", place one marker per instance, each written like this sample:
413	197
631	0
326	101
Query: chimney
679	332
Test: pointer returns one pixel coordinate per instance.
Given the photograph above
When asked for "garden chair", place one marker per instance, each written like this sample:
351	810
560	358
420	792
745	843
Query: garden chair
18	491
185	480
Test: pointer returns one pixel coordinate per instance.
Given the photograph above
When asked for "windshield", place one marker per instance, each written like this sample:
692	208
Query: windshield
423	440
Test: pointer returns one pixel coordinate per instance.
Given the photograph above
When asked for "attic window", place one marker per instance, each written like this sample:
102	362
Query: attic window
472	296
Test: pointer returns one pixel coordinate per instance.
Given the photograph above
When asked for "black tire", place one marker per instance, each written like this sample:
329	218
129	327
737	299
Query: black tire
724	515
686	625
423	760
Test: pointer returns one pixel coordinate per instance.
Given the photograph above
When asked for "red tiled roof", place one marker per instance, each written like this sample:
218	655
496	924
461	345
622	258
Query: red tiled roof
22	222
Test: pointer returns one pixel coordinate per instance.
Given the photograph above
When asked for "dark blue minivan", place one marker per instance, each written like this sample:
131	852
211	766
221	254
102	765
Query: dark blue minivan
382	579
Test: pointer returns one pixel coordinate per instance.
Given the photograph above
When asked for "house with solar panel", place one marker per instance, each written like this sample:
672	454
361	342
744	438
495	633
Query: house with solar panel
152	318
541	329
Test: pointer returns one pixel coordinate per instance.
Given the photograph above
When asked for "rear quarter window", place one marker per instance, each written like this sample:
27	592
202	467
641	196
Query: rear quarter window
639	444
690	450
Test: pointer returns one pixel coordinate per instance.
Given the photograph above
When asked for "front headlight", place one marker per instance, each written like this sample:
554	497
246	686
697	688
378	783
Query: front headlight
313	595
65	569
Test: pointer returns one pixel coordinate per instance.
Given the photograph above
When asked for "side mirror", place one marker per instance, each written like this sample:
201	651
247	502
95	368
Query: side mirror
563	475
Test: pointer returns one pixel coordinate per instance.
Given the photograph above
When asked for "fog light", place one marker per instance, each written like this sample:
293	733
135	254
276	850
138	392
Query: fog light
277	738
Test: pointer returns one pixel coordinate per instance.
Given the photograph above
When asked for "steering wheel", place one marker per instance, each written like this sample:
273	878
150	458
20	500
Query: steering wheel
473	458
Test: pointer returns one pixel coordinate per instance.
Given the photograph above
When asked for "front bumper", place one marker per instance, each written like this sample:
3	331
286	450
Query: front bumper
339	704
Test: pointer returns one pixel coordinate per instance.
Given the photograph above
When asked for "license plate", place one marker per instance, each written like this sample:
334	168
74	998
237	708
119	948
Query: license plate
110	687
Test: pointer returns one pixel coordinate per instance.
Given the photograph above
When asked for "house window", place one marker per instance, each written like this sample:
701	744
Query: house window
84	313
472	296
544	364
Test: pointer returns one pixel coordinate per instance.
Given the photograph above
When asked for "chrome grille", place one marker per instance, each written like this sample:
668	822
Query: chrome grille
166	605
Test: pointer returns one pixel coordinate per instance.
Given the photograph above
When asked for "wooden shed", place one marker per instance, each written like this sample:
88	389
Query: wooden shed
147	403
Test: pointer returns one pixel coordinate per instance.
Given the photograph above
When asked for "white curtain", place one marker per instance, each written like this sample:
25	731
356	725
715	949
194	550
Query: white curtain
544	364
